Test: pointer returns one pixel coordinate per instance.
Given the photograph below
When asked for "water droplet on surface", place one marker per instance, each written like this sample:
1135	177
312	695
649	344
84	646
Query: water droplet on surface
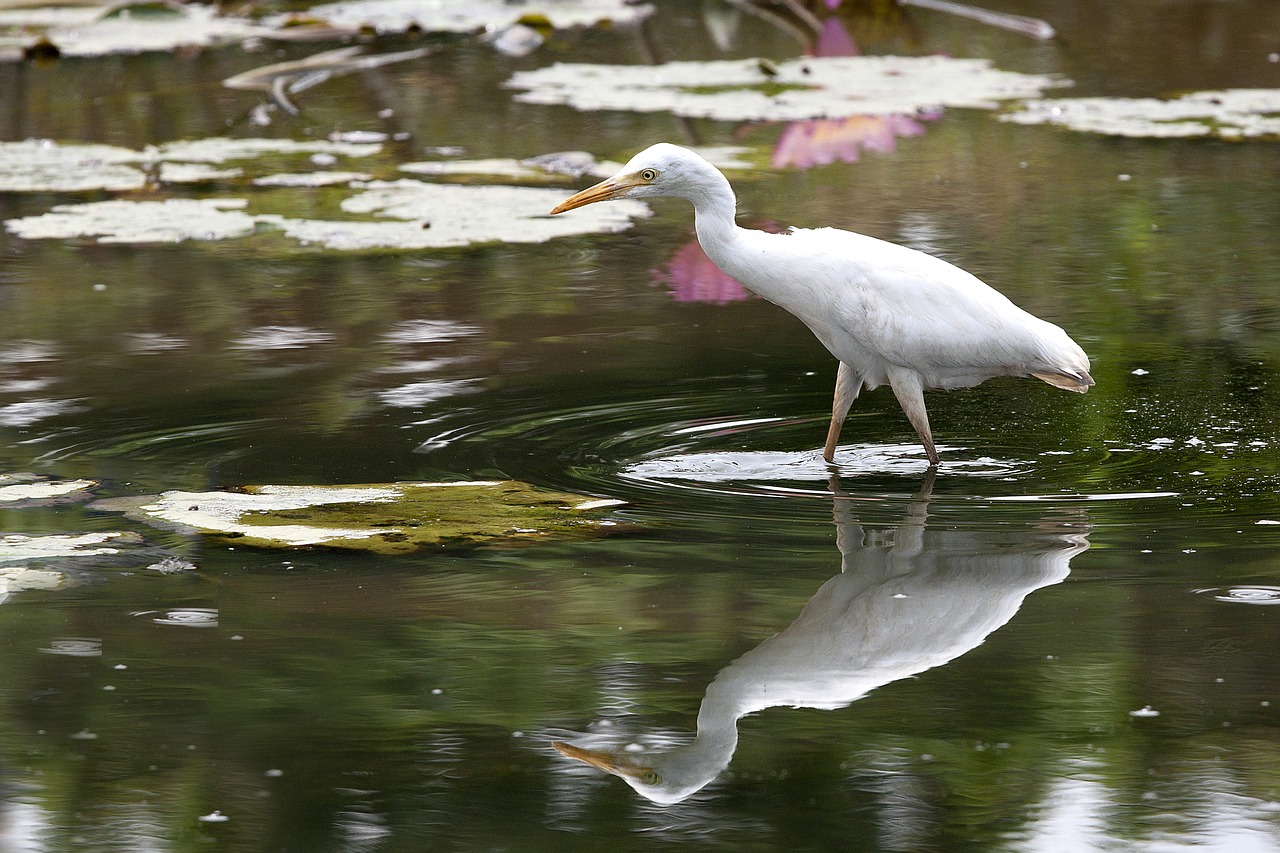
1145	711
213	817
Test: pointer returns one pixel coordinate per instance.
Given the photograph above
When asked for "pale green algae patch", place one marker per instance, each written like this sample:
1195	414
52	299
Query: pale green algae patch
385	518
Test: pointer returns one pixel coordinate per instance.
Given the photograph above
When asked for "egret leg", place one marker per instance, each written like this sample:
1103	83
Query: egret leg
910	393
848	384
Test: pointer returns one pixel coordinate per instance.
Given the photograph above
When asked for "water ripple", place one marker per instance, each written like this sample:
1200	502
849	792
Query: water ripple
188	617
1247	594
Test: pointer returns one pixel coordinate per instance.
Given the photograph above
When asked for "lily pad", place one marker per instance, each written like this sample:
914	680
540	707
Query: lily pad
18	490
446	215
222	149
119	221
41	165
1228	114
754	90
386	518
310	179
475	16
106	29
21	548
19	578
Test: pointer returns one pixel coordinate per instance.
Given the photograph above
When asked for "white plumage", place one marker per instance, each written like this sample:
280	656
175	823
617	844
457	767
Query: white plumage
891	315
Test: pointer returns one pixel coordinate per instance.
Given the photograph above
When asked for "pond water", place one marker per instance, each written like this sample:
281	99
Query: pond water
1062	641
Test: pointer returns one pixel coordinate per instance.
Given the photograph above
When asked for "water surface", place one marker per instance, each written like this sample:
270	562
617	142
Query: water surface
1064	641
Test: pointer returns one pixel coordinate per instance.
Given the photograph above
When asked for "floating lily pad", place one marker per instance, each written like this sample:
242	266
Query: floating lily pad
495	167
445	215
221	149
1229	114
21	548
752	90
194	173
18	490
475	16
16	579
106	29
310	179
119	221
389	518
41	165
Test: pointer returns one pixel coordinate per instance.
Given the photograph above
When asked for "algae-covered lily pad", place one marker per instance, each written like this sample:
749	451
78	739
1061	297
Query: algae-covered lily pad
1229	114
753	90
387	518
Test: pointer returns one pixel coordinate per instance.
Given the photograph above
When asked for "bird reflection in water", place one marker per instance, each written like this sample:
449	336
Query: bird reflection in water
907	599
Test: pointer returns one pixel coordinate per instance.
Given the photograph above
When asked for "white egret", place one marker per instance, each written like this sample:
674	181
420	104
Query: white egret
891	315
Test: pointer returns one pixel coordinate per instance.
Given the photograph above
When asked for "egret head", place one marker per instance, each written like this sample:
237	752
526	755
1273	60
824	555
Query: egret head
659	170
662	777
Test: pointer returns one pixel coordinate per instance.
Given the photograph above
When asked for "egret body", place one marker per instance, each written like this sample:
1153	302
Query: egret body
892	315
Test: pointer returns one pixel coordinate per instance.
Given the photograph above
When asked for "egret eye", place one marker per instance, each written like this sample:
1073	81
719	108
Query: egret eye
650	778
649	175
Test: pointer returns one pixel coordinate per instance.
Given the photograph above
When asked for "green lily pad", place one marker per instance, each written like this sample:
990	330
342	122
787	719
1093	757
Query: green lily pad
385	518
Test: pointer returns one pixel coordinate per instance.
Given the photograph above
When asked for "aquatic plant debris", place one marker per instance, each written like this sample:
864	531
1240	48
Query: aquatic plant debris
385	518
805	88
1226	114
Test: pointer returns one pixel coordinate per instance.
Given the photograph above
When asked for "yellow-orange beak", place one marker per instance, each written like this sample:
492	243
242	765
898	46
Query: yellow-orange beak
596	758
612	188
606	761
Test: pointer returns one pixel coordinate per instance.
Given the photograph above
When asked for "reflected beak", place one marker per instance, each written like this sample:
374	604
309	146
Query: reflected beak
596	758
606	761
614	187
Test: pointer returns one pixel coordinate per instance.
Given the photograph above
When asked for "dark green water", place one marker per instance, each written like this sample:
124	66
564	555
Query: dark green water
1076	559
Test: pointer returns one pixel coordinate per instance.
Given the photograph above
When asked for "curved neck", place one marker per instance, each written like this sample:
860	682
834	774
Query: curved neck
715	209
